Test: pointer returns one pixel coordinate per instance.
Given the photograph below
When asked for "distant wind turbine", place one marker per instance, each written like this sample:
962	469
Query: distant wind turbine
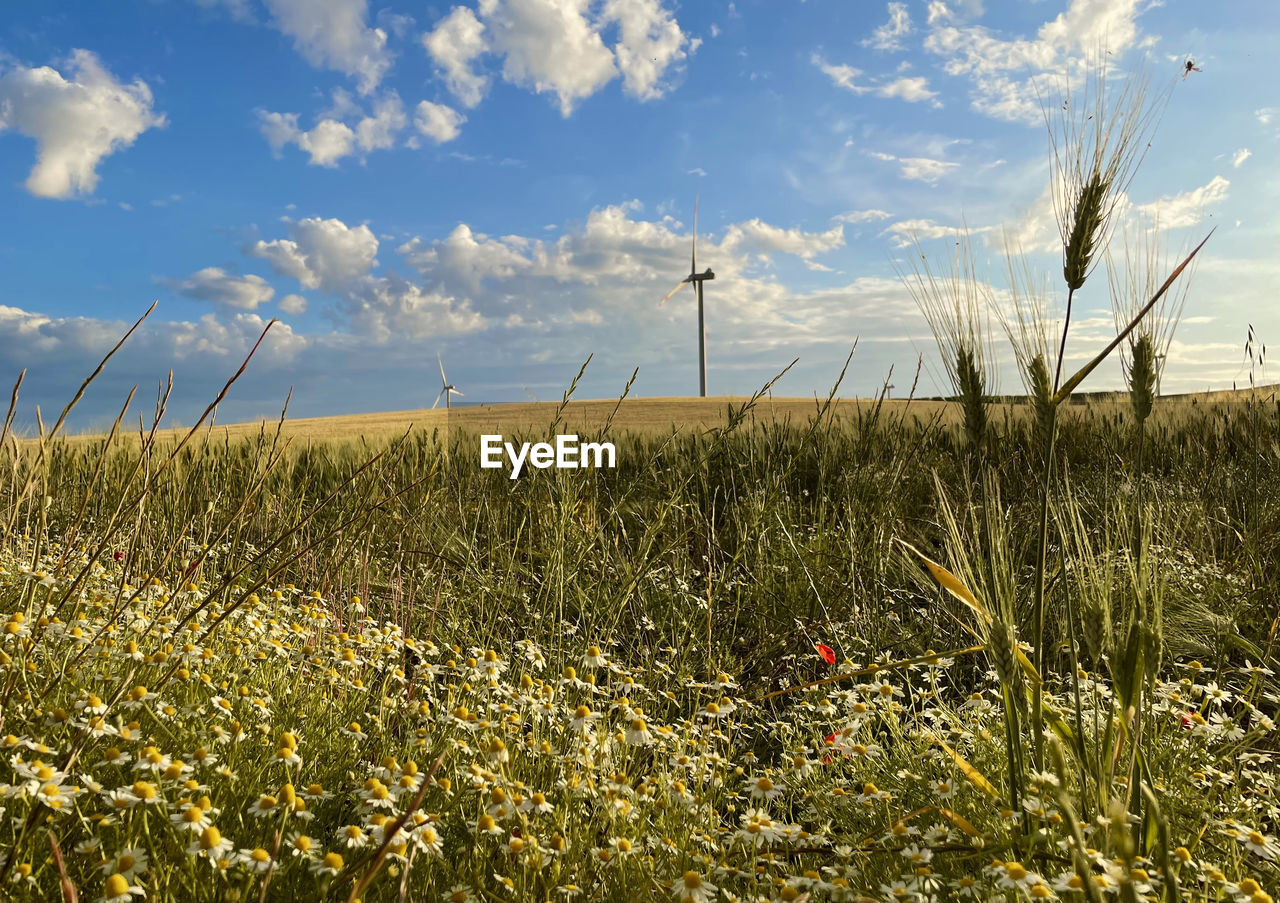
447	390
696	279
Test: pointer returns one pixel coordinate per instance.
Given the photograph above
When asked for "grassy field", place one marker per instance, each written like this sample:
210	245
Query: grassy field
236	673
663	416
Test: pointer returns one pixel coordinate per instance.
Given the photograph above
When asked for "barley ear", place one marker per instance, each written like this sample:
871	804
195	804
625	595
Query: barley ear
1142	376
1087	219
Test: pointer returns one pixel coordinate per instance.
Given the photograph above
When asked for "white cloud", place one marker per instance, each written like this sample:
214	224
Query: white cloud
70	341
841	74
329	256
862	216
1036	231
649	43
759	235
328	142
379	130
904	233
619	265
293	304
390	308
920	169
438	122
335	34
215	285
323	254
924	169
914	89
467	256
455	44
1240	156
557	47
889	35
331	139
549	46
1005	73
1186	208
75	121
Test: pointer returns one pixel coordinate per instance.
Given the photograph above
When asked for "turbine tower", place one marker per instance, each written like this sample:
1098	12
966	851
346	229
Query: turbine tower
696	279
447	389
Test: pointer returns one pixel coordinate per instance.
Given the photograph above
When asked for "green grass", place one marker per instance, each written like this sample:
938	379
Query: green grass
705	567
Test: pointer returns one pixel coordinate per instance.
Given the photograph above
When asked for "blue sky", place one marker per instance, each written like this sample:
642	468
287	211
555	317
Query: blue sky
511	183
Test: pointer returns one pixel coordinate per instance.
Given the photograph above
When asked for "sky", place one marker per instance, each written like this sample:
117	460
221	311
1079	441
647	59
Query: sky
511	184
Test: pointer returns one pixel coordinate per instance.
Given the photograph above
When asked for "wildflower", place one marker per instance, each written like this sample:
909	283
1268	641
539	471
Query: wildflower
497	751
210	844
535	802
192	818
354	837
117	889
129	862
764	788
1260	845
828	654
328	866
582	719
300	845
265	807
621	846
255	860
638	733
1015	874
428	840
693	888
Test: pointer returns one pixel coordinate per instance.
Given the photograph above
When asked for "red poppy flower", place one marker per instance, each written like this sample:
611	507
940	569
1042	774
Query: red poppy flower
829	740
828	654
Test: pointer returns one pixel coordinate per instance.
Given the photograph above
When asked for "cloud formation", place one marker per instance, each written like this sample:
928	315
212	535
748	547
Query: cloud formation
889	35
1006	73
558	47
215	285
331	139
437	121
1188	207
76	120
912	89
335	34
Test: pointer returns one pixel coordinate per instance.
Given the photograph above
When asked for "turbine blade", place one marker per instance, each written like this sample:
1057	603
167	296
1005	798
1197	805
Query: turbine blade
456	392
443	378
437	401
681	284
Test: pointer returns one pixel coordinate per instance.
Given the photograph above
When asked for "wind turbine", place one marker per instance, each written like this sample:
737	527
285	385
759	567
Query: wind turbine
447	390
696	279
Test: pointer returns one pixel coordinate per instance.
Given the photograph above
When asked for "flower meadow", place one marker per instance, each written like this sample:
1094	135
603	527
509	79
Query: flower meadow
295	747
